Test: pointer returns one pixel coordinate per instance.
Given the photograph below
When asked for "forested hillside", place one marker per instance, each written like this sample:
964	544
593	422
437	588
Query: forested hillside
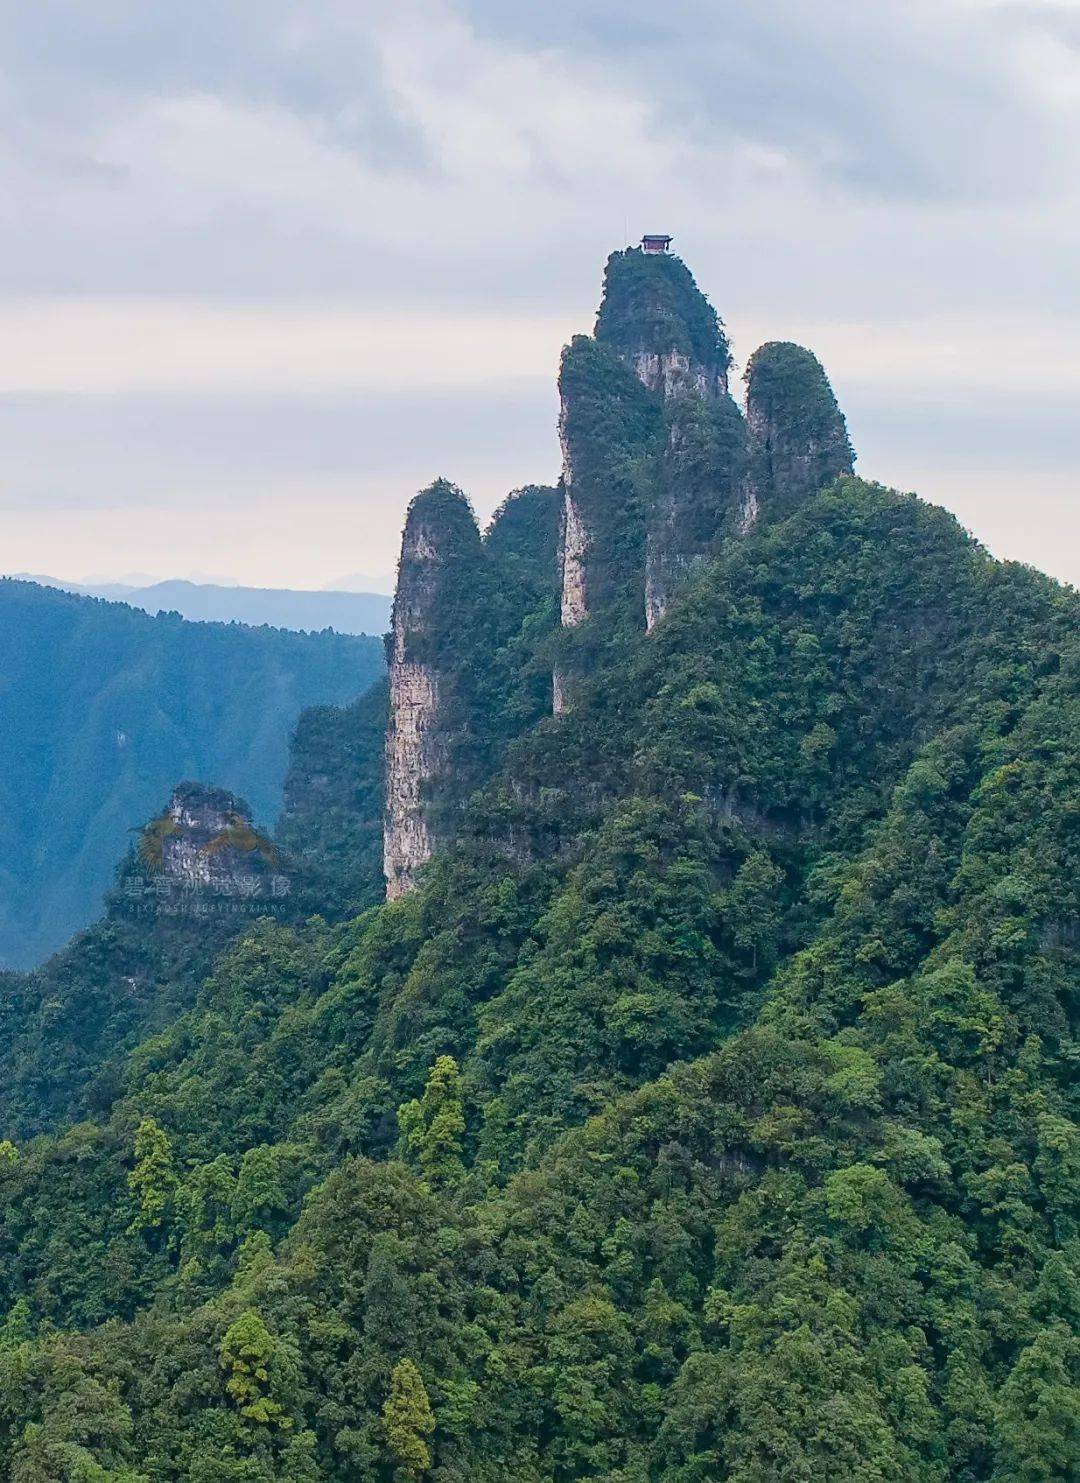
705	1109
103	709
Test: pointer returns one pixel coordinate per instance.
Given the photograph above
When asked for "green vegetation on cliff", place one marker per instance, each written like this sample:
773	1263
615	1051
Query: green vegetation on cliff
472	614
612	429
476	615
331	822
651	304
798	433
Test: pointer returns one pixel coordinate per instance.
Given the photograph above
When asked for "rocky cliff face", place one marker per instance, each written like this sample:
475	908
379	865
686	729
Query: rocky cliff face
654	317
573	606
202	855
663	331
645	502
688	463
414	758
440	560
459	691
798	436
701	473
660	322
610	427
659	466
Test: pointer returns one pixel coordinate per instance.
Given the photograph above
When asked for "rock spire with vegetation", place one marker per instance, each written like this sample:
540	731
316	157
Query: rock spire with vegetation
457	693
654	479
798	437
437	580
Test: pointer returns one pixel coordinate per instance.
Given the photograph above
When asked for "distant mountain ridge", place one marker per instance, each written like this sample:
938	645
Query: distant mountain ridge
103	708
209	602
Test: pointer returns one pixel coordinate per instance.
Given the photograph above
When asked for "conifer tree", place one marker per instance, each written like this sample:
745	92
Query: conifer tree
153	1179
432	1125
247	1354
407	1421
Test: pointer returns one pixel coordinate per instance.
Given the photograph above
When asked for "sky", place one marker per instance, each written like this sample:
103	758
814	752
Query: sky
266	269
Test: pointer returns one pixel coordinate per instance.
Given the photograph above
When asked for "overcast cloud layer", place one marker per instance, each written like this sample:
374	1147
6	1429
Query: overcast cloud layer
267	268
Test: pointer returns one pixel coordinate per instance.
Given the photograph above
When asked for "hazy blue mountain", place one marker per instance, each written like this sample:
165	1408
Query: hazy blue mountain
207	602
103	708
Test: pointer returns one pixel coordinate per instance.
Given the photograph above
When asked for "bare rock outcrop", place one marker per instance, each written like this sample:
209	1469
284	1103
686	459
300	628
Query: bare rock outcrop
672	372
201	855
662	324
573	608
440	553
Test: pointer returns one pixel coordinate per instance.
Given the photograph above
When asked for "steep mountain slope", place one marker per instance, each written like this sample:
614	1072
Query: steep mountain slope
703	1108
196	877
331	822
103	709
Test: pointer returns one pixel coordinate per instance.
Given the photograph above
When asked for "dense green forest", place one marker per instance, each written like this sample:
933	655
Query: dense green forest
103	708
708	1109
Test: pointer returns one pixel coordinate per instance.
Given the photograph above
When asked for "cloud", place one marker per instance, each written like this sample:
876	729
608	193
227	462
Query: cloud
423	149
124	346
253	204
898	99
280	489
101	347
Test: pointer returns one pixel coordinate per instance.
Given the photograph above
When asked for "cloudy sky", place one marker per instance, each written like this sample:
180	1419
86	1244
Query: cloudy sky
268	267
